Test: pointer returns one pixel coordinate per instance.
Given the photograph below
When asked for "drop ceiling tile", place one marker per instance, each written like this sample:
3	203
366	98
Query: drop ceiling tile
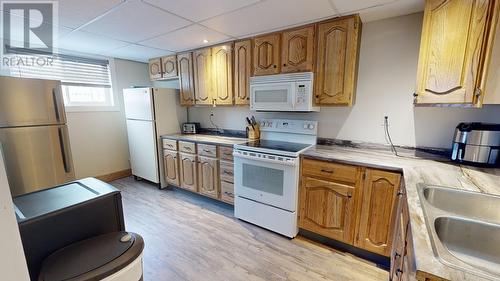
74	13
399	8
197	10
349	6
135	21
86	42
136	53
270	15
186	38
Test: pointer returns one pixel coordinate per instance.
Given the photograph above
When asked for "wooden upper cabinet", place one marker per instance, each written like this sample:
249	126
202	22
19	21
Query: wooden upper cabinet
378	211
298	50
155	69
337	61
208	175
186	75
203	76
169	66
171	166
223	74
267	54
455	50
242	71
328	208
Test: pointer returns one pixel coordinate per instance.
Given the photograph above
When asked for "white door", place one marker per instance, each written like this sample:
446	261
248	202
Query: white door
138	104
142	146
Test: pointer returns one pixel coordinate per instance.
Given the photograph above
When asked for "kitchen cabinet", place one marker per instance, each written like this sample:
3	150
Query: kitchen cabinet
169	67
186	78
154	69
267	54
242	71
227	192
401	246
337	61
298	50
208	175
223	74
378	210
171	167
202	60
328	208
188	172
455	48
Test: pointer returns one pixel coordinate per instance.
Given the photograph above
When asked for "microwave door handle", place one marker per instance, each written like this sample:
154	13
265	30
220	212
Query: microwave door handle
294	94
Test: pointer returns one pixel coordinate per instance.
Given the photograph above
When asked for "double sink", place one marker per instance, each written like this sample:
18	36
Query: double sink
464	228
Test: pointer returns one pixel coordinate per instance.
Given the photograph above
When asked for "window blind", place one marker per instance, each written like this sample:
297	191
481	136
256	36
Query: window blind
69	70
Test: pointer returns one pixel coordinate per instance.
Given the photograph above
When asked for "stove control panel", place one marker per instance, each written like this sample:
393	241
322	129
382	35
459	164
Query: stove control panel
304	127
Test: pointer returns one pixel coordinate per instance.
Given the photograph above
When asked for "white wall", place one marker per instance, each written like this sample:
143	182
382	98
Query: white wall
99	139
386	82
12	261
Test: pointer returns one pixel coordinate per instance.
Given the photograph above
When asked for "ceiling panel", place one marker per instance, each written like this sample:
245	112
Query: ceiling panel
136	53
270	15
197	10
186	38
135	21
350	6
86	42
399	8
74	13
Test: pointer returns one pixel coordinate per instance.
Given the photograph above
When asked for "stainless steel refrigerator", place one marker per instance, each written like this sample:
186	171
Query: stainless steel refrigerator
33	134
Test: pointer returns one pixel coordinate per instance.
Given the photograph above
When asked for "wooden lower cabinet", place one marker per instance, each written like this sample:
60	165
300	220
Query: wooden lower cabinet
171	166
328	208
227	192
188	168
208	176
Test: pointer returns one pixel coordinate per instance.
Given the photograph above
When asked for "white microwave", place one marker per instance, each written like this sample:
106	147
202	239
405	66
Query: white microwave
282	92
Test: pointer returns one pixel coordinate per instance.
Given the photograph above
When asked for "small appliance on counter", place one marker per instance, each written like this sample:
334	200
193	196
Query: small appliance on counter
191	128
477	144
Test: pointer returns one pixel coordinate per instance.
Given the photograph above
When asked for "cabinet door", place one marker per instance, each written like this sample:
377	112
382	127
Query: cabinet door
155	69
327	208
208	174
171	166
298	50
223	74
188	175
186	76
453	49
169	66
337	60
378	211
266	54
242	71
203	76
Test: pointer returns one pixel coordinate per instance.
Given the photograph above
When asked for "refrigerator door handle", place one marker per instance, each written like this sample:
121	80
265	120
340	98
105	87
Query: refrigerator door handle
56	105
64	151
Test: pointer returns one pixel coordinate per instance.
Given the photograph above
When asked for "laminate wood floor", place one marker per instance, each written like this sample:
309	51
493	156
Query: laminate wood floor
188	237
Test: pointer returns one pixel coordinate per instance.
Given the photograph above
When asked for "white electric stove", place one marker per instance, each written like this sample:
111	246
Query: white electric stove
266	174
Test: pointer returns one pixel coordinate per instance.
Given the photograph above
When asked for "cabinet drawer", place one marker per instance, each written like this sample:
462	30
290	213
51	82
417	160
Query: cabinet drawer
188	147
226	171
226	153
207	150
331	171
169	144
227	192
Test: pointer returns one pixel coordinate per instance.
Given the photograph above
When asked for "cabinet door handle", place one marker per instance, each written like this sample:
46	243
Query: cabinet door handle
206	150
327	171
400	193
275	66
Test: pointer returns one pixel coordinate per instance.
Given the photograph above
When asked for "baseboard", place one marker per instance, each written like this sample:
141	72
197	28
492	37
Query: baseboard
115	175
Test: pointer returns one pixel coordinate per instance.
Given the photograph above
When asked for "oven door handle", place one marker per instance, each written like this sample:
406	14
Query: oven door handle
288	163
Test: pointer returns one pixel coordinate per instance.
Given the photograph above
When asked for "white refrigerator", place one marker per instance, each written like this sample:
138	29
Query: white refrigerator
150	113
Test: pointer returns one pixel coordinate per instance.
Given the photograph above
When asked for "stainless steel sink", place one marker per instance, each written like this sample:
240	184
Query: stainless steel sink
464	228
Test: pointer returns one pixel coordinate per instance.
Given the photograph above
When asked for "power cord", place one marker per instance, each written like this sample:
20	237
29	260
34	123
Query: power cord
388	135
213	123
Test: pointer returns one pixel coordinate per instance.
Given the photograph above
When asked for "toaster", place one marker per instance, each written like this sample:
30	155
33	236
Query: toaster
477	144
191	128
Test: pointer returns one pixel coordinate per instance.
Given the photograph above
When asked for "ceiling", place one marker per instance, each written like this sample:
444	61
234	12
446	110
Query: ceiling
141	29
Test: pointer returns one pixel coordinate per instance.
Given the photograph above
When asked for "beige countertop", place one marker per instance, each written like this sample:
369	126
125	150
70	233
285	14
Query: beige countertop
207	139
434	171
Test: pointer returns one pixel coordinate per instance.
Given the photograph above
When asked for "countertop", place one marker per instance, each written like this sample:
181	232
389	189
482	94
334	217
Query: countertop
207	139
428	170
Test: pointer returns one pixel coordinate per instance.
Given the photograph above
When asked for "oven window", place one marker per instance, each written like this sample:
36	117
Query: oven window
274	96
264	179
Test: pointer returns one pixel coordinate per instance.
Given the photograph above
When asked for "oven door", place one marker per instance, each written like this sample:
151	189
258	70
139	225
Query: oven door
272	97
267	181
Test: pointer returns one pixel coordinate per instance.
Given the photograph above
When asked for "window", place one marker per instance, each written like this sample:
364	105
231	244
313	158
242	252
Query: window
86	83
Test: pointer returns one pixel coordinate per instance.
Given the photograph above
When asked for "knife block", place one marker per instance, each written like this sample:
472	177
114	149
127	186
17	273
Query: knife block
253	133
